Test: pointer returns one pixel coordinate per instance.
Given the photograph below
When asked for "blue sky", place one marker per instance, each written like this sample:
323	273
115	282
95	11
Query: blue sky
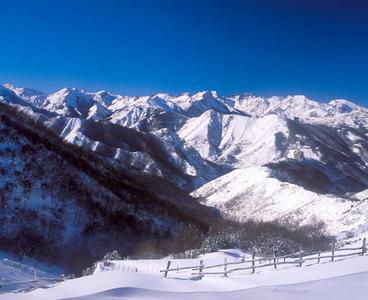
317	48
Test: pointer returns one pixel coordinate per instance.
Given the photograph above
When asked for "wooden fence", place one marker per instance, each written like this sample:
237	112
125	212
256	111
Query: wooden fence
296	259
31	282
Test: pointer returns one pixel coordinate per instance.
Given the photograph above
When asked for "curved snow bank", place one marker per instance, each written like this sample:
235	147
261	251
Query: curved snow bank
339	288
252	194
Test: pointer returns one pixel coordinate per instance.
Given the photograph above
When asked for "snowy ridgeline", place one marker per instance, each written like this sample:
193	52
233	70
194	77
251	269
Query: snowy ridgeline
250	157
141	279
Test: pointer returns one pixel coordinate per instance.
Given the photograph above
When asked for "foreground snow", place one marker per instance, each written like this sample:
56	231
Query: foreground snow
342	279
343	287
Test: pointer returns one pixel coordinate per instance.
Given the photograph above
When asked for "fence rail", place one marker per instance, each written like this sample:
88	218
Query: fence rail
34	280
198	270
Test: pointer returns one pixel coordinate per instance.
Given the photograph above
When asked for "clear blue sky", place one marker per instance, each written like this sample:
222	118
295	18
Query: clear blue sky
317	48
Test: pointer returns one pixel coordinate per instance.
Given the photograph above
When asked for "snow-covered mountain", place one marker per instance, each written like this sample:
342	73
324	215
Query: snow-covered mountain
335	112
32	96
199	141
252	193
76	103
61	203
234	140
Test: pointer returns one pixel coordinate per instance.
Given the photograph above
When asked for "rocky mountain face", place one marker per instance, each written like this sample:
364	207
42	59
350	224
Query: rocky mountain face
205	143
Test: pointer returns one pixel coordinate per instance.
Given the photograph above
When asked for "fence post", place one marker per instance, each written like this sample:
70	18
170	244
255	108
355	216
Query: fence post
333	255
274	261
319	257
167	268
364	247
301	258
253	262
225	266
201	269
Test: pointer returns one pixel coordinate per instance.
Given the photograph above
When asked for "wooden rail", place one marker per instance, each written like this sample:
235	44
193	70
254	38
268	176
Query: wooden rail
34	279
199	270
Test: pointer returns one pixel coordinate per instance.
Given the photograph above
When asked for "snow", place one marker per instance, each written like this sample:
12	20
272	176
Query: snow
237	140
232	132
333	113
242	131
343	106
341	279
363	195
251	141
33	96
71	131
252	194
15	275
206	135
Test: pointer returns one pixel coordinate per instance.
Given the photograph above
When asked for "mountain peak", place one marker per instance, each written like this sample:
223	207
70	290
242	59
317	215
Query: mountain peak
67	90
5	90
206	94
344	106
23	91
9	85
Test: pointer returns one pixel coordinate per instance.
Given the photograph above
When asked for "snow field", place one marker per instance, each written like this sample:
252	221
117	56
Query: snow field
342	278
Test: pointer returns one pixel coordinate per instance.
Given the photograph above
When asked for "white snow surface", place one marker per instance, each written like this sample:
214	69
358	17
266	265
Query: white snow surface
16	275
333	113
251	193
343	279
227	138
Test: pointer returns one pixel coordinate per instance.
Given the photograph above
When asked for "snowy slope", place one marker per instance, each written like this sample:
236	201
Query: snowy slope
252	193
32	96
342	279
334	113
17	275
77	103
235	140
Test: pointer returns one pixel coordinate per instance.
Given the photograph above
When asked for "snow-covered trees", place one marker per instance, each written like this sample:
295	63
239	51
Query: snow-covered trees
267	238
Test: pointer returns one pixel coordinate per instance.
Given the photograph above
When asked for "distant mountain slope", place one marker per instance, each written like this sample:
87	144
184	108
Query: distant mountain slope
234	140
336	112
252	193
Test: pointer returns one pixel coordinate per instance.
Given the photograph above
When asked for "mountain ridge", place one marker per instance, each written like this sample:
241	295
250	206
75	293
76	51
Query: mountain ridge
192	140
70	206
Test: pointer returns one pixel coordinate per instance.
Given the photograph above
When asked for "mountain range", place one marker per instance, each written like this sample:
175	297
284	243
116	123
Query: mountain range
244	156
